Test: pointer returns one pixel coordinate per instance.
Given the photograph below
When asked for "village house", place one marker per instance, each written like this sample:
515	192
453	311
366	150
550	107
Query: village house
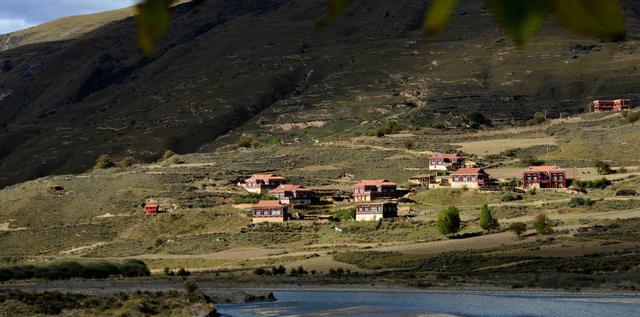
293	195
376	211
611	105
263	183
151	208
368	190
544	177
474	178
446	162
269	211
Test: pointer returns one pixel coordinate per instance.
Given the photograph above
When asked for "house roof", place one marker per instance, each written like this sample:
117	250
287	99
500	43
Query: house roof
289	187
267	177
269	204
447	155
151	205
469	171
375	182
544	168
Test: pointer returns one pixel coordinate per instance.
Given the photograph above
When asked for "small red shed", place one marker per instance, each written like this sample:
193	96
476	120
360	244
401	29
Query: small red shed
151	208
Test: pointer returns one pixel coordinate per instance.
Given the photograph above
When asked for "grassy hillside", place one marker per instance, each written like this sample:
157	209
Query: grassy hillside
257	68
98	214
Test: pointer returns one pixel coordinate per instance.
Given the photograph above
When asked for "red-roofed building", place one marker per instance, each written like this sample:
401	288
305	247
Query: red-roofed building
151	208
544	177
269	211
293	195
446	162
611	105
263	183
376	211
368	190
470	178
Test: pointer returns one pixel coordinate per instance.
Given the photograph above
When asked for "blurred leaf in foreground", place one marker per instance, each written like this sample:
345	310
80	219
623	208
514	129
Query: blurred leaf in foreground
521	19
154	17
602	18
334	9
438	15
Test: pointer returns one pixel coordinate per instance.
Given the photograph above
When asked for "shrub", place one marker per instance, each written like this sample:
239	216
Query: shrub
168	272
510	197
127	161
380	132
603	168
176	159
259	271
449	221
274	141
346	214
390	127
408	144
70	269
245	142
531	161
594	184
103	162
580	201
538	118
512	184
487	222
626	192
476	119
633	116
167	154
278	270
541	224
183	272
518	228
438	125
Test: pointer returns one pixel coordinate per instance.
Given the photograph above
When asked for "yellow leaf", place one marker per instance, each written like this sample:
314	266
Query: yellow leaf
154	17
603	18
334	9
520	18
438	15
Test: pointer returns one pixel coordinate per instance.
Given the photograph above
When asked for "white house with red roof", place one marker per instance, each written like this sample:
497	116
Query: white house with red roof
263	183
446	162
373	189
374	211
269	211
544	177
473	178
293	195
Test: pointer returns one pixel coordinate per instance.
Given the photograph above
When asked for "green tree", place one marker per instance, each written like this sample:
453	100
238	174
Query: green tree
449	221
518	228
603	168
487	222
541	224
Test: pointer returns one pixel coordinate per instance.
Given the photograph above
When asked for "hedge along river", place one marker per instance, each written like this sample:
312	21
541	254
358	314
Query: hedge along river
407	303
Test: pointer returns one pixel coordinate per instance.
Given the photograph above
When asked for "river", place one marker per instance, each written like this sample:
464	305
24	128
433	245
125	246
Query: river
407	303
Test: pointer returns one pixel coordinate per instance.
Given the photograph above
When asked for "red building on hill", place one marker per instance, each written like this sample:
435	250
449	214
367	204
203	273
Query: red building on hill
262	183
269	211
544	177
151	208
372	189
446	162
470	178
611	105
292	194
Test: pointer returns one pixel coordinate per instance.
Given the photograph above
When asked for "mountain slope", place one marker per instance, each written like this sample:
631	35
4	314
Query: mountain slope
254	67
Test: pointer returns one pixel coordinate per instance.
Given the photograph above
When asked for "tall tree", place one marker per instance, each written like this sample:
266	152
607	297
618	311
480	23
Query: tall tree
449	221
487	221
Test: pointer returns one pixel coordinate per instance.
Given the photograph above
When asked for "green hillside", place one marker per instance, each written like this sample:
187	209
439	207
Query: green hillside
257	68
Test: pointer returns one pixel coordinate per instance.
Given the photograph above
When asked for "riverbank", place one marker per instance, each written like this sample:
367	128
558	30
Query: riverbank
242	291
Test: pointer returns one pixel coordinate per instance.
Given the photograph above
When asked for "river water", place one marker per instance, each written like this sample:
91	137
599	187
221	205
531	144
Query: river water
468	304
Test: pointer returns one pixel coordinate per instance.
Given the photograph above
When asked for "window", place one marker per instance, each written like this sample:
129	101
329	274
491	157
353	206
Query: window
474	178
